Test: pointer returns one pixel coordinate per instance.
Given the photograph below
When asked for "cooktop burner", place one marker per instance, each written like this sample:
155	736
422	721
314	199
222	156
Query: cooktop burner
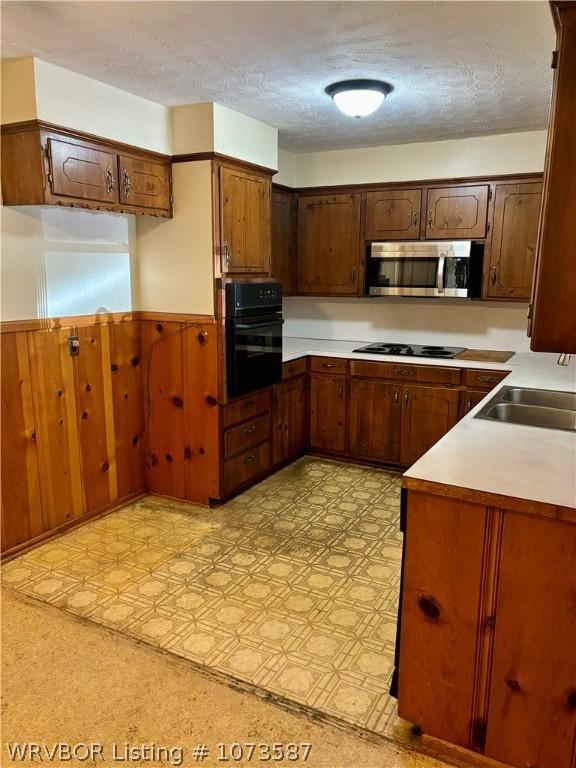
411	350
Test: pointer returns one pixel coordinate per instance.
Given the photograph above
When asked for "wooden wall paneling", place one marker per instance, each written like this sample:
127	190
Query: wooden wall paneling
532	714
443	576
56	419
127	369
21	509
201	412
94	398
163	382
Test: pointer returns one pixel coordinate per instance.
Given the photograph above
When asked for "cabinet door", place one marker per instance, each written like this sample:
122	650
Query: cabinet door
456	212
283	264
83	171
328	412
427	414
513	247
532	710
375	417
328	244
289	419
468	399
144	183
441	616
393	215
245	208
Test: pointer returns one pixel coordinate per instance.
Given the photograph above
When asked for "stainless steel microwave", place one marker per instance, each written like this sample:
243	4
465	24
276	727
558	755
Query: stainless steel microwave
448	268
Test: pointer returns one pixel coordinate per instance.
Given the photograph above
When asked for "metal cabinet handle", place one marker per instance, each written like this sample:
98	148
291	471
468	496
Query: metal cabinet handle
430	217
468	405
249	459
415	218
328	365
340	393
353	275
249	430
404	372
493	275
489	379
396	396
109	181
406	397
127	182
226	252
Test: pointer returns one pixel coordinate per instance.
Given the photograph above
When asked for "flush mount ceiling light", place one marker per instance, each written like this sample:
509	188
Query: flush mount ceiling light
358	98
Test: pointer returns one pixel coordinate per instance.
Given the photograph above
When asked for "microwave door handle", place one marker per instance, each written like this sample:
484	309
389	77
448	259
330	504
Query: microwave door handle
440	274
248	326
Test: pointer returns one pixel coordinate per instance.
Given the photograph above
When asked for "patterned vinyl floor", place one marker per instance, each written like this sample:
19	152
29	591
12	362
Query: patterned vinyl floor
290	589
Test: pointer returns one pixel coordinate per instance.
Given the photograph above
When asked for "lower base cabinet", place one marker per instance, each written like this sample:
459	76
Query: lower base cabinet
375	416
487	658
288	419
328	413
427	414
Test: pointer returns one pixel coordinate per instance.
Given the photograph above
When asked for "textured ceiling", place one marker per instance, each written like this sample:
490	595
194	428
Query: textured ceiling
458	68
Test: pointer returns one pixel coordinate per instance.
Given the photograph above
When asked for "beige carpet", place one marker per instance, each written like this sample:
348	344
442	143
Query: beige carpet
65	679
290	589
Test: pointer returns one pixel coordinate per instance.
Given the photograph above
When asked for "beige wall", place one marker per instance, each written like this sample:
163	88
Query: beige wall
175	267
193	128
479	156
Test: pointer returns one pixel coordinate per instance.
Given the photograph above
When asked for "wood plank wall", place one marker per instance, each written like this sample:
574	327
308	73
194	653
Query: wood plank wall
74	435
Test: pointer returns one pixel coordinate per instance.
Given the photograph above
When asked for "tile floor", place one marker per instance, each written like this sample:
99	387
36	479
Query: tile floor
290	589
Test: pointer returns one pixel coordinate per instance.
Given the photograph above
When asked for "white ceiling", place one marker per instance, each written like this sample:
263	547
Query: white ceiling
458	68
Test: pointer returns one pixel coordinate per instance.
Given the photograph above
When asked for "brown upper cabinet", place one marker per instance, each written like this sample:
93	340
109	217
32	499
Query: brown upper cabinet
329	244
393	214
553	314
510	255
49	166
458	212
245	221
283	264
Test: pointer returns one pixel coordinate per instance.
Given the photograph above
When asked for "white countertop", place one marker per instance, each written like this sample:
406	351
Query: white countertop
490	456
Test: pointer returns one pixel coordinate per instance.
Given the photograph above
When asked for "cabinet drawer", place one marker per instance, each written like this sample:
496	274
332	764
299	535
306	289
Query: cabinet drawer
246	435
243	468
246	408
483	379
294	368
328	365
425	374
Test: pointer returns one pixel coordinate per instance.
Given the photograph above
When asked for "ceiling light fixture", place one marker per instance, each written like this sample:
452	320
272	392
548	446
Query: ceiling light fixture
358	98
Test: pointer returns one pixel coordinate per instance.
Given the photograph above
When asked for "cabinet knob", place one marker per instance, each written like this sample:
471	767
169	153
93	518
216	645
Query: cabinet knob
429	606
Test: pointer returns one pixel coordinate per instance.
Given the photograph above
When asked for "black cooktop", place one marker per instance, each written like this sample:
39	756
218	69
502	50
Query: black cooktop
411	350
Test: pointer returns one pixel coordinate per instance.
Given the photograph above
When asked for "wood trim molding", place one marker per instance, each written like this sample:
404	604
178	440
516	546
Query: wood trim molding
527	506
225	160
75	321
117	146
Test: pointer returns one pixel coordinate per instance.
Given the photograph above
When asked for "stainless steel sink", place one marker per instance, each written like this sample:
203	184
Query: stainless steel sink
532	407
544	397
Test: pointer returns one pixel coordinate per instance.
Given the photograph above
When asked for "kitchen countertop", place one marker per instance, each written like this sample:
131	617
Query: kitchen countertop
488	456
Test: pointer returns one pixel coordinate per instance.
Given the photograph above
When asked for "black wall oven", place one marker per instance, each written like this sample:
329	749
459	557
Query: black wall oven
253	336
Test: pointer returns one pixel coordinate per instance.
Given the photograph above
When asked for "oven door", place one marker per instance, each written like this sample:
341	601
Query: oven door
254	356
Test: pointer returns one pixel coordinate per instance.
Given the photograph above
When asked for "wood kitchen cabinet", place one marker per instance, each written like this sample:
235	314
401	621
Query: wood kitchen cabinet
486	657
329	244
512	247
393	214
375	413
552	323
469	398
245	221
458	212
327	412
427	414
283	263
44	165
288	419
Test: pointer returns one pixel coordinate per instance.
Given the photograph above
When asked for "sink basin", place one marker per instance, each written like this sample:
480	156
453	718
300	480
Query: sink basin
533	415
544	397
532	408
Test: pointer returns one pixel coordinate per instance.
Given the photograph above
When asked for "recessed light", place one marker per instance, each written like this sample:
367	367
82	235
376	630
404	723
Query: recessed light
358	98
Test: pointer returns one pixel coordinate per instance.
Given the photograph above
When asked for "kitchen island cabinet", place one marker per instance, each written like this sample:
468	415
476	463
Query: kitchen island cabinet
486	657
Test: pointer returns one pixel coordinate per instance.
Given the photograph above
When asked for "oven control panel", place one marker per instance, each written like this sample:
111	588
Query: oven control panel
251	298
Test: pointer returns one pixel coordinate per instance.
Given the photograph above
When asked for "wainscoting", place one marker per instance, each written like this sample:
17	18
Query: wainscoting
134	411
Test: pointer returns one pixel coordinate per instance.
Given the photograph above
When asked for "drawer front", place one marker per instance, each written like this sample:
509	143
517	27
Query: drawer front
483	379
245	436
243	468
246	408
421	374
328	365
294	368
